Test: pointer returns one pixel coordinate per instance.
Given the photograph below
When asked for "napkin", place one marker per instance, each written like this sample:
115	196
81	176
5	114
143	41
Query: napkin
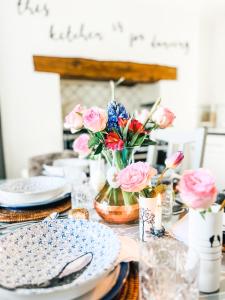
129	250
180	230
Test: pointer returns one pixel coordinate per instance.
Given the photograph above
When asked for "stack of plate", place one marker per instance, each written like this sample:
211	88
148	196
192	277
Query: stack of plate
57	243
33	191
61	166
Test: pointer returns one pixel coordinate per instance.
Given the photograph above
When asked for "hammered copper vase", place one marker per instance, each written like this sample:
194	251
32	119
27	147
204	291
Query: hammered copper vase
114	208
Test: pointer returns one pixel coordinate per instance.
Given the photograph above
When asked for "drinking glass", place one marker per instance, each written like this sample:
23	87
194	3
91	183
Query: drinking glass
167	203
168	270
82	196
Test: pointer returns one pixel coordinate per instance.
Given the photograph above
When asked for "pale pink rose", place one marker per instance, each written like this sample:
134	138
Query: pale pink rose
163	117
197	188
136	177
80	145
174	160
95	119
74	120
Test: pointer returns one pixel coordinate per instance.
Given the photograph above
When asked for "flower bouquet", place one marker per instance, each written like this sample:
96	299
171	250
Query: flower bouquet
115	134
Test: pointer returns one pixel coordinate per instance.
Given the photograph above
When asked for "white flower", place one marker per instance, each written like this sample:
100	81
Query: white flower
98	181
112	177
142	116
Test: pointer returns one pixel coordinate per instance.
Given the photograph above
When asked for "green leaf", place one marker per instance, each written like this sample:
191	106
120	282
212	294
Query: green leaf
134	138
98	135
125	130
93	141
98	149
202	213
140	140
148	143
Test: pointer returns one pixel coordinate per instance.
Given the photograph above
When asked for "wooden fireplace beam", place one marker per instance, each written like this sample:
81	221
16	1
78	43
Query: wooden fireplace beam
89	69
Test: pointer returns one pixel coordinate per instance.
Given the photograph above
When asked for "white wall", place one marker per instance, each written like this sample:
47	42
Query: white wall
30	101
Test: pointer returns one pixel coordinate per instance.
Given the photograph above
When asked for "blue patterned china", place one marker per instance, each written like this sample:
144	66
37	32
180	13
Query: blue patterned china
124	272
37	253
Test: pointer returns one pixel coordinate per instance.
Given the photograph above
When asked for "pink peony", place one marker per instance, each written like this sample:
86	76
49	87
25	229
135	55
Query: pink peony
174	160
95	119
163	117
136	177
80	145
197	188
74	120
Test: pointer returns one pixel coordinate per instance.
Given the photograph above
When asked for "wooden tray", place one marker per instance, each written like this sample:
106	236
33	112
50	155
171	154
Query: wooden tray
20	215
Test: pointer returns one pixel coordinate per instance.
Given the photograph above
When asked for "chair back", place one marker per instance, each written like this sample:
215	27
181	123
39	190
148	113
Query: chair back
179	140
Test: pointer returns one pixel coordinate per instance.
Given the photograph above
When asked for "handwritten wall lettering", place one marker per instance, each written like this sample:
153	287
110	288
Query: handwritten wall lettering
84	32
118	26
32	8
167	45
69	34
134	38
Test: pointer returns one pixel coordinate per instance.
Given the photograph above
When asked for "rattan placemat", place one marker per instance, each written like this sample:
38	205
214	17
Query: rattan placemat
130	290
20	215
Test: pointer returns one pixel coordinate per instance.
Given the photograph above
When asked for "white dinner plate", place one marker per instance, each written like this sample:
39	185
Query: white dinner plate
37	202
80	163
29	190
37	253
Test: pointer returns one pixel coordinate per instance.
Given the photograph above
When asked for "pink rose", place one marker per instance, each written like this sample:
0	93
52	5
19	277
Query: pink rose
174	160
80	145
197	188
74	120
163	117
95	119
136	177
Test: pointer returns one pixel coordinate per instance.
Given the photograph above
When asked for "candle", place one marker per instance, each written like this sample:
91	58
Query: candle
158	213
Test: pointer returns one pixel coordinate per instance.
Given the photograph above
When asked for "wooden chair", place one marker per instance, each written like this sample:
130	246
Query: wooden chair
192	143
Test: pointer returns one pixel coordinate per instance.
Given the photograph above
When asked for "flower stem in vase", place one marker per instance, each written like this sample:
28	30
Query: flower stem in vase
117	159
115	196
161	176
128	198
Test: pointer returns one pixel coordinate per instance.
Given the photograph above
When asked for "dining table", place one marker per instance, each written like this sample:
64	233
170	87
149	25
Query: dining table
130	288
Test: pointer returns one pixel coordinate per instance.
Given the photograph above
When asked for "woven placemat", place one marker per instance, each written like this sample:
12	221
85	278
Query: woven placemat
130	290
20	215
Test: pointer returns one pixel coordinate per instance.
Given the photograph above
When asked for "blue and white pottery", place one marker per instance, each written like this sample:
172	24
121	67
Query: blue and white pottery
37	253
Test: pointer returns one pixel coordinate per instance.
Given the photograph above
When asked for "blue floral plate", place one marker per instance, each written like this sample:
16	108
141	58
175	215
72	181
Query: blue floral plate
35	254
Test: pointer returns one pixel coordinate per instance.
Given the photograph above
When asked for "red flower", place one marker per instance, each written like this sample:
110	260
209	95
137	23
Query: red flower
122	122
134	126
114	142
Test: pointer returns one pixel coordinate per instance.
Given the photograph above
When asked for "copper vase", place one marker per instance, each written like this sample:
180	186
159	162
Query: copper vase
114	206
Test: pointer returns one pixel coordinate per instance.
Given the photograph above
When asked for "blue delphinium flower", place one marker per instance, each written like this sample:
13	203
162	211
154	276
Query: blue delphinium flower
116	110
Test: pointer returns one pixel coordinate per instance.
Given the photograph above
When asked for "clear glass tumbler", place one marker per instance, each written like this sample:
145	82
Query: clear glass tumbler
167	203
168	270
82	196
